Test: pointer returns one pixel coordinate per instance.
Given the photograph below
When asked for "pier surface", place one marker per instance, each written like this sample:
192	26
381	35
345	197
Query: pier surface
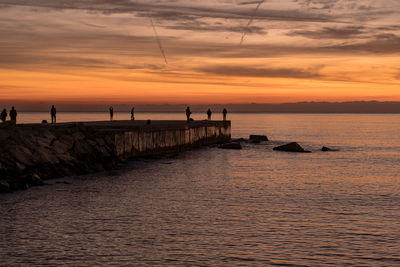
32	153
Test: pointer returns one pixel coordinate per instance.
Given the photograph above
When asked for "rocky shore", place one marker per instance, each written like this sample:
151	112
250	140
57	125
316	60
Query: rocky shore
30	154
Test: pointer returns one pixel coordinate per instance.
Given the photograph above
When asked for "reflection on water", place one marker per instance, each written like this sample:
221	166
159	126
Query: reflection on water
218	207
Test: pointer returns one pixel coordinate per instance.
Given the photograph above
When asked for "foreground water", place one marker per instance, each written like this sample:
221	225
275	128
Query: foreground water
216	207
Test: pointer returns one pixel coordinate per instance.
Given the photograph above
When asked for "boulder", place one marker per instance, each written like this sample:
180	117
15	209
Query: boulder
258	138
325	149
59	147
21	154
34	180
78	136
238	140
4	186
45	155
231	146
291	147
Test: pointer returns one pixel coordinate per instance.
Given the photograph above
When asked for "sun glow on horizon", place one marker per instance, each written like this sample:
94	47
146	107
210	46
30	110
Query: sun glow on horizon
290	52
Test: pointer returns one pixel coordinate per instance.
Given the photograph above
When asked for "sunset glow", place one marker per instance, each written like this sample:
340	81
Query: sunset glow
107	51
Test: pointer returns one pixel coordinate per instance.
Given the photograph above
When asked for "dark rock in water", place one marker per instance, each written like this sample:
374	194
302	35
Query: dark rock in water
291	147
238	140
325	149
4	187
44	121
231	146
258	138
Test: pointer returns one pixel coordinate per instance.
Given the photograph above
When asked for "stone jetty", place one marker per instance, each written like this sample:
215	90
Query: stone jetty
31	153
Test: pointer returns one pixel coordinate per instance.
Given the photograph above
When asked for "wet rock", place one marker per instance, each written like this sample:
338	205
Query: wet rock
326	149
231	146
4	186
258	138
291	147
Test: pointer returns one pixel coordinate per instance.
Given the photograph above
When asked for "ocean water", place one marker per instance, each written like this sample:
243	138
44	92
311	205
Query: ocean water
212	207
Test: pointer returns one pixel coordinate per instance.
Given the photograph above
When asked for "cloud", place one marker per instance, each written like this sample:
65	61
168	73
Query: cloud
243	71
331	32
172	10
380	44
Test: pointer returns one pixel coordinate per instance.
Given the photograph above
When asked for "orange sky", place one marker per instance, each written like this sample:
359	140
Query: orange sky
98	51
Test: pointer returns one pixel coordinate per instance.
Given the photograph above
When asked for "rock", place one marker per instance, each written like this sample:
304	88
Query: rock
22	154
34	180
67	140
4	186
20	166
44	121
231	146
325	149
291	147
238	140
258	138
78	136
44	155
60	147
82	148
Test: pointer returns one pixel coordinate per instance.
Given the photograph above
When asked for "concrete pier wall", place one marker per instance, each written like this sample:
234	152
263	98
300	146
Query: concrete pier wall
147	141
32	152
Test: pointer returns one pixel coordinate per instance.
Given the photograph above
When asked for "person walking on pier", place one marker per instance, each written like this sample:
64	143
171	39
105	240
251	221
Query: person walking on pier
13	115
188	113
53	113
224	112
209	113
3	115
111	113
133	113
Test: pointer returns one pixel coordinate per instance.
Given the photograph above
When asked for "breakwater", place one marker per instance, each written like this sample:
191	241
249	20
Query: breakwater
31	153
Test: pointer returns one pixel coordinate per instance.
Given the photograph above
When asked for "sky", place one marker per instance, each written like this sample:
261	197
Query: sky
199	52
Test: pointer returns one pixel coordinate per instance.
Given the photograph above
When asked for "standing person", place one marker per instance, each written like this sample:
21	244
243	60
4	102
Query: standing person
3	115
133	113
209	114
53	112
188	112
13	115
111	113
224	112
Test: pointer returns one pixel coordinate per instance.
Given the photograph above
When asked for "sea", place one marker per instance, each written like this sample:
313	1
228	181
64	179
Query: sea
214	207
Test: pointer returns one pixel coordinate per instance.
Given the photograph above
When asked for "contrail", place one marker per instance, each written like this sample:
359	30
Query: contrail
251	21
158	40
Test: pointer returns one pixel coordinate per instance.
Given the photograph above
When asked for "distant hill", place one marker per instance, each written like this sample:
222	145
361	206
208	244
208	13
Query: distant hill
300	107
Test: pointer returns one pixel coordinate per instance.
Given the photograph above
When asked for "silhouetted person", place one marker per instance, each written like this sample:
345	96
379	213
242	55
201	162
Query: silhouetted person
111	113
188	113
224	112
133	114
209	113
13	115
3	115
53	113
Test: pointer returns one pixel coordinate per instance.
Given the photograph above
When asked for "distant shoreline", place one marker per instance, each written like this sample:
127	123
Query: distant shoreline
232	112
356	107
